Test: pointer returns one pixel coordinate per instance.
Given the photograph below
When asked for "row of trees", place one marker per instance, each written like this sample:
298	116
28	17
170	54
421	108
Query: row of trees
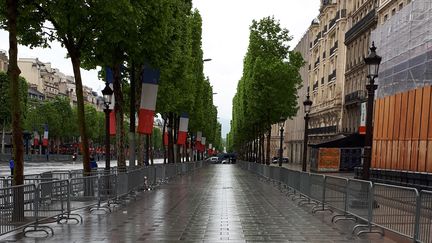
267	91
60	117
123	35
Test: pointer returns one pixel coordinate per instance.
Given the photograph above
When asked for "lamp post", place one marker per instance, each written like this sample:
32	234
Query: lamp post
307	107
107	96
281	128
372	62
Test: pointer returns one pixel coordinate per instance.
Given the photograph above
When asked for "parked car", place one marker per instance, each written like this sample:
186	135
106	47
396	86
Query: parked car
213	160
275	160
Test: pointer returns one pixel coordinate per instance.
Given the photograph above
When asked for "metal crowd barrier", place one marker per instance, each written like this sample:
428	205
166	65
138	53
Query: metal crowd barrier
54	196
375	207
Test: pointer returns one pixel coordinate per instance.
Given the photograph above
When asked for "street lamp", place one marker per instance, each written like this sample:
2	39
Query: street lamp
281	127
372	61
307	107
107	97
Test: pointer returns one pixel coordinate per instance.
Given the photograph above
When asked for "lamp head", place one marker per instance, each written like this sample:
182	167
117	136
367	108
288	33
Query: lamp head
373	61
307	104
107	94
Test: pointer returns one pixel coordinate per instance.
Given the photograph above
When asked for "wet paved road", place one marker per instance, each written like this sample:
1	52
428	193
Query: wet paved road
221	203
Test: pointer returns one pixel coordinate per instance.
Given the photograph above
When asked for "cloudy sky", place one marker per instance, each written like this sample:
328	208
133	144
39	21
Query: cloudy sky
225	40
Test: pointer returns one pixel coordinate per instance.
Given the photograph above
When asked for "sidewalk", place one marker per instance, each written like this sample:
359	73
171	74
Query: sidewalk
296	166
220	203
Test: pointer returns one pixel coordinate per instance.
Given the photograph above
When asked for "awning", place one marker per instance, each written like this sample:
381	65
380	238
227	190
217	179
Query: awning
354	140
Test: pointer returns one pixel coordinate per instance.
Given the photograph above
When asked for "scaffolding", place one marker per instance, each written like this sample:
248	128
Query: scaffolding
405	44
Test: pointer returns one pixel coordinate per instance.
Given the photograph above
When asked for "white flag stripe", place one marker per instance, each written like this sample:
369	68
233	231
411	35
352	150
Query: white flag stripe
203	140
111	106
46	134
199	136
149	96
184	122
210	146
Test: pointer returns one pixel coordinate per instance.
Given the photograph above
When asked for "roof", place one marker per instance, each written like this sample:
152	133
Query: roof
354	140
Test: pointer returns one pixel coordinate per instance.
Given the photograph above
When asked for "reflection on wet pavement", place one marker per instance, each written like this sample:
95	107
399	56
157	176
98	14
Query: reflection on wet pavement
220	203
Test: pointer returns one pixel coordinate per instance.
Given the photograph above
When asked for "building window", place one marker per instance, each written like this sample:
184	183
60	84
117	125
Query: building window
393	11
400	6
385	17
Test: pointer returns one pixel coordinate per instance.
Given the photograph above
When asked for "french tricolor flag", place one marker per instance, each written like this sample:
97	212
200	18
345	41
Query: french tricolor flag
112	117
36	138
150	80
45	137
183	129
165	139
109	77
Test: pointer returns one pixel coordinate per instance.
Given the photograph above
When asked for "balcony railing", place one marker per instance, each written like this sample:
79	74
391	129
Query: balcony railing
364	24
332	75
334	48
355	97
339	14
323	130
319	35
317	62
315	86
329	104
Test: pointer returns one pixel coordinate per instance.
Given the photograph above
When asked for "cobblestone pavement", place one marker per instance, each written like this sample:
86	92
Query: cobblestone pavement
220	203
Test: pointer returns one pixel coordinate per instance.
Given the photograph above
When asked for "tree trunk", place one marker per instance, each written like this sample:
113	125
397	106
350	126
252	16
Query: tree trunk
176	147
120	131
3	137
186	152
268	147
262	147
13	73
76	63
163	140
140	146
170	138
17	136
147	153
132	117
151	149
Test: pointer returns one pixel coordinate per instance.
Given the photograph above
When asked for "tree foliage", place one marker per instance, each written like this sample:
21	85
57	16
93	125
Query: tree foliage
5	98
268	88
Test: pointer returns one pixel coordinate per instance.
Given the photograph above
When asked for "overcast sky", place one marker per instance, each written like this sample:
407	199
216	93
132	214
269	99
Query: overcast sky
225	40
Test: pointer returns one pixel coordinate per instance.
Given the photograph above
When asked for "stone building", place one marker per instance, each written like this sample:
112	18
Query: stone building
31	70
294	128
362	19
4	61
388	8
275	141
67	88
50	82
326	66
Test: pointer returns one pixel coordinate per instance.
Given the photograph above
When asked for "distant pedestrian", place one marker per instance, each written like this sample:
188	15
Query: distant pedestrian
93	163
12	166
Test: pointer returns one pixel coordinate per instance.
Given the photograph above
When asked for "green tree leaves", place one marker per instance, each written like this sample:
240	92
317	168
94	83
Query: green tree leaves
268	88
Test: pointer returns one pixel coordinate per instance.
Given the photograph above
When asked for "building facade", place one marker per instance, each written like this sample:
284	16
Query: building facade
4	61
294	128
326	66
51	83
362	19
274	141
388	8
403	105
